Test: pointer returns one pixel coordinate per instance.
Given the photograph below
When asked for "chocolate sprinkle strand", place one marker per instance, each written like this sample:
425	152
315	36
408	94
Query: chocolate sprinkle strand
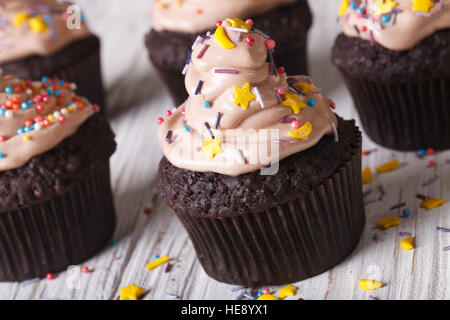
219	117
293	87
443	229
199	87
398	206
208	127
169	136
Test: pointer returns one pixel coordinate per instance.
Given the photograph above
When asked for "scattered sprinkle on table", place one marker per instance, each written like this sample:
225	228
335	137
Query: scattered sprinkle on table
157	262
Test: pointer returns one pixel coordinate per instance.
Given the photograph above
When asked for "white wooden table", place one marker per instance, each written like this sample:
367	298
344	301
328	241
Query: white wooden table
137	97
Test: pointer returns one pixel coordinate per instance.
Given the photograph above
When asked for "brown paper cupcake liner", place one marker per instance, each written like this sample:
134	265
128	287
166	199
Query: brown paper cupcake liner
404	116
63	231
286	243
79	62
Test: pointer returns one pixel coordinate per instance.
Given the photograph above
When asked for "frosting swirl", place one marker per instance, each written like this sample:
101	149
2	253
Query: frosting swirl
35	27
193	16
396	25
239	104
36	116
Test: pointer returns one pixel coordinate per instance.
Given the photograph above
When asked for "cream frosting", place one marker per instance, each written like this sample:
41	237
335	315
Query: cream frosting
36	116
396	25
245	139
194	16
35	27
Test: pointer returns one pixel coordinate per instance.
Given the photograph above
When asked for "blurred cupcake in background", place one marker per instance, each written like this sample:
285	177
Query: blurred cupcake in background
42	38
395	59
56	205
178	23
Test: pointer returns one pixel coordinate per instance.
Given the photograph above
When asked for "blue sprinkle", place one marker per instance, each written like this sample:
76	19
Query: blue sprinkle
385	18
20	131
207	104
422	152
44	79
24	105
2	155
157	256
353	5
9	90
186	128
57	93
406	213
312	102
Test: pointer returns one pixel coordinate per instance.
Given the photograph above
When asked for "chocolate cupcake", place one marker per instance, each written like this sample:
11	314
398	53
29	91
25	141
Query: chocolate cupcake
56	206
264	177
177	24
41	38
395	59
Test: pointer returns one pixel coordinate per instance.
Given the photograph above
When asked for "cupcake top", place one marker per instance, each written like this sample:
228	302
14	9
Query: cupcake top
242	113
35	27
396	25
193	16
36	116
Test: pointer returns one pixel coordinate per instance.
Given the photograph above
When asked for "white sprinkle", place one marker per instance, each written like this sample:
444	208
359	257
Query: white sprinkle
237	29
185	70
259	97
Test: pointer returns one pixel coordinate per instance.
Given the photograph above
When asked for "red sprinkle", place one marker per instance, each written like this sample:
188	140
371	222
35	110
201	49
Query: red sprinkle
250	41
281	70
168	113
332	104
2	138
270	44
431	164
295	124
430	151
85	269
280	91
50	276
147	210
249	22
218	24
159	120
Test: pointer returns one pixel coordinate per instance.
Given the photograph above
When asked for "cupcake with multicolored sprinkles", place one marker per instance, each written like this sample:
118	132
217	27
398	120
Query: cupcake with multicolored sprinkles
178	23
56	206
265	178
49	38
395	59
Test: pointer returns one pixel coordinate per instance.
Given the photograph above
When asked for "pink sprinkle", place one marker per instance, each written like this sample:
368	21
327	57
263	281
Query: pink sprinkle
230	71
287	120
202	52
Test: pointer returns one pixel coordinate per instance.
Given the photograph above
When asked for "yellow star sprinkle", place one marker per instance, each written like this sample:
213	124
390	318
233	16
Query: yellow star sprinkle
368	284
386	6
388	222
423	5
287	291
238	23
243	96
302	132
293	101
343	7
212	147
408	243
20	18
132	292
37	24
432	203
306	87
